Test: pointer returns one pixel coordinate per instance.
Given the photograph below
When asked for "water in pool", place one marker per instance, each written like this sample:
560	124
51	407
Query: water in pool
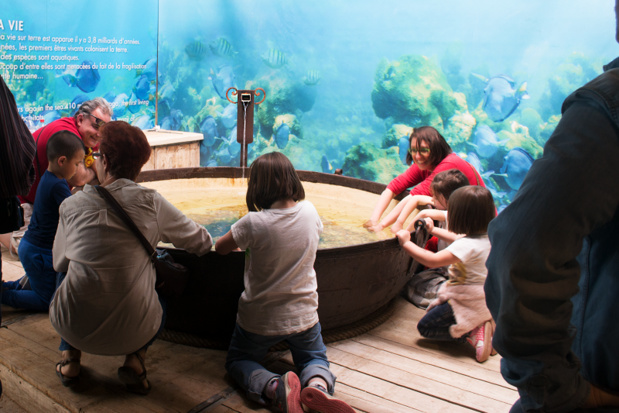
217	203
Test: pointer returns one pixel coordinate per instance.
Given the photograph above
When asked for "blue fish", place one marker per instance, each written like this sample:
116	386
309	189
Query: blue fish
274	58
86	78
474	160
222	47
501	99
222	80
144	122
166	91
485	142
404	145
326	165
229	115
282	135
174	121
515	168
109	96
119	105
223	156
196	50
50	116
208	127
143	88
150	69
77	102
132	104
312	77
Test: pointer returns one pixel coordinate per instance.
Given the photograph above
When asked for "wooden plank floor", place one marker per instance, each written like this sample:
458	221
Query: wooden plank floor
389	369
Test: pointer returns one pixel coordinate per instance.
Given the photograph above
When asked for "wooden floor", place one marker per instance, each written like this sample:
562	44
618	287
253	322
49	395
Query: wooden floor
389	369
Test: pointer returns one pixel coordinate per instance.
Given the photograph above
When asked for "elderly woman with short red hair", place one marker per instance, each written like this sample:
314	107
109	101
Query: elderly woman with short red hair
107	303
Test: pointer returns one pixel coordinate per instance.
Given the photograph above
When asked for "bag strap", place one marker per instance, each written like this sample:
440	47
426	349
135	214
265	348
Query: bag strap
127	219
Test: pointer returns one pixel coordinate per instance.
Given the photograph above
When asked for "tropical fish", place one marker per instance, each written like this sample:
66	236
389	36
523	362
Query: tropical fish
312	77
77	102
274	58
474	160
174	121
501	99
485	142
223	156
132	104
234	148
515	167
229	115
208	127
222	47
50	116
222	80
143	88
196	50
282	135
85	79
150	69
326	165
144	122
404	145
119	105
166	91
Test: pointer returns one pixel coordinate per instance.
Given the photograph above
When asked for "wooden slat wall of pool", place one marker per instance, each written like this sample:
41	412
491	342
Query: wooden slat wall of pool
389	369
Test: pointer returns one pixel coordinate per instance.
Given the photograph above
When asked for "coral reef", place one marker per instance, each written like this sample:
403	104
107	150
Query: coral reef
413	91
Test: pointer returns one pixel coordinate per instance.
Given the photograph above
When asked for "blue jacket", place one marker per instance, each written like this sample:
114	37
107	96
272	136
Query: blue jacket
553	271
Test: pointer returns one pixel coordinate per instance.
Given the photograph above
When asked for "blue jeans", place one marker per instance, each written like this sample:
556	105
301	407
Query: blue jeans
247	350
37	263
64	345
435	324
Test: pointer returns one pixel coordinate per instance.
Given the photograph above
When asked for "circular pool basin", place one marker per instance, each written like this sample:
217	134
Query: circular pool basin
354	281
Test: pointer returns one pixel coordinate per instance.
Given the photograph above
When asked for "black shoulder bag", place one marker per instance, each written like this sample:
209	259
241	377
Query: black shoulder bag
172	277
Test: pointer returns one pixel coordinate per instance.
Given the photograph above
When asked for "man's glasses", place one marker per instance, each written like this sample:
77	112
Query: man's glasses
423	151
97	123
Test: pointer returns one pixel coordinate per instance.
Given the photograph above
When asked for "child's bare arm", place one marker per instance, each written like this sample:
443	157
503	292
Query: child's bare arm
391	216
445	234
425	257
411	204
433	214
226	244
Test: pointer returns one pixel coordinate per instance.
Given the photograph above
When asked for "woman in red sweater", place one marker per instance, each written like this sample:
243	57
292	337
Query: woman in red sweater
429	154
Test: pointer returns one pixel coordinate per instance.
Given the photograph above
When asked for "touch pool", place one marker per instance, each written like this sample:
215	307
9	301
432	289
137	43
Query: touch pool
358	273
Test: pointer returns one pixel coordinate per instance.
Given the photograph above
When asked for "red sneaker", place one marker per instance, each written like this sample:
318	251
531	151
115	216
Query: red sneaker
288	394
319	400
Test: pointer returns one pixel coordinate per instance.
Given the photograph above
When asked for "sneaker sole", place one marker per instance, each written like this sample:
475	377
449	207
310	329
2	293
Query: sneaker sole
293	393
487	349
323	403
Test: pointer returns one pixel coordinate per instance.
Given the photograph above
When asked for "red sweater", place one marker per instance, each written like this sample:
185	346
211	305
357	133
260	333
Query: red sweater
41	136
423	179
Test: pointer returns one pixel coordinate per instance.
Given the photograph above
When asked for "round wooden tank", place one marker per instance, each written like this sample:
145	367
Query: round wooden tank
354	282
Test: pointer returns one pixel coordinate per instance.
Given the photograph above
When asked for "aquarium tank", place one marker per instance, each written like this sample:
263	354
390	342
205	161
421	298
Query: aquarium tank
345	82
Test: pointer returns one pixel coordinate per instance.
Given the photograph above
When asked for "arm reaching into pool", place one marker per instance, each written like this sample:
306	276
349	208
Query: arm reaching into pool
226	244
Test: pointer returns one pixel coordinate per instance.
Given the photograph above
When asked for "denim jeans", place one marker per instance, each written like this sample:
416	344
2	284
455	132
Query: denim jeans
64	345
247	350
37	263
435	324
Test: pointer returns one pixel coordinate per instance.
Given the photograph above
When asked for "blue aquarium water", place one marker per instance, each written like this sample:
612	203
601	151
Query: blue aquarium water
345	81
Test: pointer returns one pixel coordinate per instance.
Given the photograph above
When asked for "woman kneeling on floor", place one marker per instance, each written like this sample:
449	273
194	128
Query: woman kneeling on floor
107	303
